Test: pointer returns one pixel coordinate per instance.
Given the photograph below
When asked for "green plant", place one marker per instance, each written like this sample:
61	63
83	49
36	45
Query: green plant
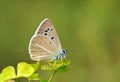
28	71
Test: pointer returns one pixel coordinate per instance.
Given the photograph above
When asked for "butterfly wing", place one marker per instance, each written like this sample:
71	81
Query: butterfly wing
47	29
45	43
42	48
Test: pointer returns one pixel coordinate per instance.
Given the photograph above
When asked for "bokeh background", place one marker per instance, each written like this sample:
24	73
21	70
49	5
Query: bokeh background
90	27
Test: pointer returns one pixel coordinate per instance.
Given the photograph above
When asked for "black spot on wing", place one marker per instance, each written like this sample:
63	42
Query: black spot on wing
52	38
45	34
46	30
51	29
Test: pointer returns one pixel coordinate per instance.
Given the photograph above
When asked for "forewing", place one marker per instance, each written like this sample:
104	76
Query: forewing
41	48
47	29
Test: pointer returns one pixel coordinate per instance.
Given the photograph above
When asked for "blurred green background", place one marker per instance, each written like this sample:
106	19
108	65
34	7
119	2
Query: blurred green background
90	27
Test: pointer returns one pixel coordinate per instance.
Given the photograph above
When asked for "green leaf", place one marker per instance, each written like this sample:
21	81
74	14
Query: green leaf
34	76
63	69
57	64
36	65
46	67
43	80
24	70
66	62
7	74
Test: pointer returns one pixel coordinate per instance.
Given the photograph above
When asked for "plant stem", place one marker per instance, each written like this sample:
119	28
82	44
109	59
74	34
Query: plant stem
51	77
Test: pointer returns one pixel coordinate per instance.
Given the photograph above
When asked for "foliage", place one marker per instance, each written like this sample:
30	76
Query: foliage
29	71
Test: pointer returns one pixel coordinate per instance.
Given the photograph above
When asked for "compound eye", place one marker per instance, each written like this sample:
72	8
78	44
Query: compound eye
64	51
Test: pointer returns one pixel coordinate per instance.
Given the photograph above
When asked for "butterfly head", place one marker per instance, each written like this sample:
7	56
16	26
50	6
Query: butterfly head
62	54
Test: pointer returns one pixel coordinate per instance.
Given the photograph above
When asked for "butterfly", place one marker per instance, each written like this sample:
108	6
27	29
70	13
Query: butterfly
45	44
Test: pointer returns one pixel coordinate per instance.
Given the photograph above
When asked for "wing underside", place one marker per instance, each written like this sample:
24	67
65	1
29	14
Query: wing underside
46	28
41	48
